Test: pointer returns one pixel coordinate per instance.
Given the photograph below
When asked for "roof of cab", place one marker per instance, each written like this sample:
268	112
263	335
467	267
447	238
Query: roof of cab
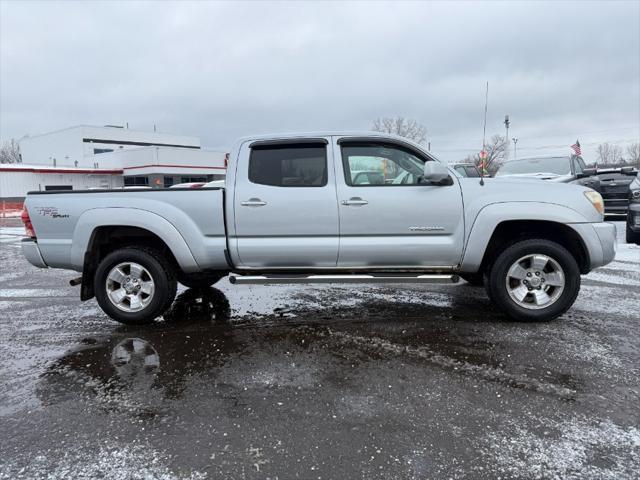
343	134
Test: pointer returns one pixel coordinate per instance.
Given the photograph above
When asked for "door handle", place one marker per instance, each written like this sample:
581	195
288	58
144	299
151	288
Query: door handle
253	202
355	201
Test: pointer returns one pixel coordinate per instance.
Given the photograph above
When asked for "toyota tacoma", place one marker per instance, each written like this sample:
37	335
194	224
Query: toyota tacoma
292	211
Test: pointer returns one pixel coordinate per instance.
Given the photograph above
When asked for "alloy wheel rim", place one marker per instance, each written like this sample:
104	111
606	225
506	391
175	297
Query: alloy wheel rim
535	281
130	287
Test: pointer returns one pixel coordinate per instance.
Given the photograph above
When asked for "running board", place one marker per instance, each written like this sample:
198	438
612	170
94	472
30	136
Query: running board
356	278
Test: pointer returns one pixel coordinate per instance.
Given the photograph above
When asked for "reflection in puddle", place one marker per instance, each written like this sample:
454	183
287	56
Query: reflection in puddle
146	361
140	367
134	357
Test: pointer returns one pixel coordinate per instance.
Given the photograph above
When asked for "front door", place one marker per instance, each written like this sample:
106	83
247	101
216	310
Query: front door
286	213
387	217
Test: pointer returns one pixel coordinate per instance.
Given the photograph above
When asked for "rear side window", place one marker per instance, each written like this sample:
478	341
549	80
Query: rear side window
289	165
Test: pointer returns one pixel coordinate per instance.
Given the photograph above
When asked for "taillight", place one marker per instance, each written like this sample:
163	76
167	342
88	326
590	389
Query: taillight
28	226
226	160
197	185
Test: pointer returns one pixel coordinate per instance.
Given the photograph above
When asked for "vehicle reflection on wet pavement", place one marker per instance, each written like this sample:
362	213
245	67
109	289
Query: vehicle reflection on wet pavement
394	381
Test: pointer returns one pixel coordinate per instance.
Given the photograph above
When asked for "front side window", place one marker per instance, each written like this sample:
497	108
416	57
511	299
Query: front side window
301	165
370	164
579	165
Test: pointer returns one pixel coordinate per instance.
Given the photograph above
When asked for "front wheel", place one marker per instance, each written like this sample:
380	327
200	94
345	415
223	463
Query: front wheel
534	280
134	285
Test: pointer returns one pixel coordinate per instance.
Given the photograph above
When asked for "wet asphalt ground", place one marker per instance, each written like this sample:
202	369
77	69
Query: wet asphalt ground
331	382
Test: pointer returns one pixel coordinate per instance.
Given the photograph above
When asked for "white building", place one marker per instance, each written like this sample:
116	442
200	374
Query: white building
86	157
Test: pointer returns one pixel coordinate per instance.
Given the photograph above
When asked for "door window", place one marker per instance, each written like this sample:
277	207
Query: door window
370	164
302	165
579	165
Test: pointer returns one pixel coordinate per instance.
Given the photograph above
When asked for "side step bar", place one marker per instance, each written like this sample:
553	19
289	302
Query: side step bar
355	278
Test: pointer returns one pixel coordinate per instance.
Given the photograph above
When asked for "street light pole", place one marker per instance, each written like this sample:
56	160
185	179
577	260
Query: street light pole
515	148
507	122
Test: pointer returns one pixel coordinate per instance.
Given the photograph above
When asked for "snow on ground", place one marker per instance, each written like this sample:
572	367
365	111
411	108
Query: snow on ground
115	462
566	450
11	234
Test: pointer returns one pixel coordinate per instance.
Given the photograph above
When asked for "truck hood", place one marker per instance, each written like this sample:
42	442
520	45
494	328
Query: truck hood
554	177
522	189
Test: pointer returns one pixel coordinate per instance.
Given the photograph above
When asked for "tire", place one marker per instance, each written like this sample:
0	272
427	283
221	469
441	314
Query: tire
199	280
506	282
632	237
149	270
475	279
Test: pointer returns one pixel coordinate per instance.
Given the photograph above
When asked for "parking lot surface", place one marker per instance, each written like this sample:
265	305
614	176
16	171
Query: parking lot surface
390	382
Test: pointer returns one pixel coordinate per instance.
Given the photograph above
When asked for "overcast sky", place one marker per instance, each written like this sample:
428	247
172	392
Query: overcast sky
222	70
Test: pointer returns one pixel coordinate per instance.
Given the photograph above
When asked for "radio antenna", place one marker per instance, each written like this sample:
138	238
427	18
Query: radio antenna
483	154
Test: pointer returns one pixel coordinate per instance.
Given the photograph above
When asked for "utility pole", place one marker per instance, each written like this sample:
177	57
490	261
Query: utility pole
515	148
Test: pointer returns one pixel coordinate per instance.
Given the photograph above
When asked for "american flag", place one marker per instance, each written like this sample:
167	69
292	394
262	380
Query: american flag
576	148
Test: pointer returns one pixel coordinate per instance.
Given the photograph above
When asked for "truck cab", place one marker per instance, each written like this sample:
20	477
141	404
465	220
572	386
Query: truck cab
356	225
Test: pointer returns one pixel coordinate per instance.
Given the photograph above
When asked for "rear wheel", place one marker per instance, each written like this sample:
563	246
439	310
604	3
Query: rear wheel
134	285
632	237
534	280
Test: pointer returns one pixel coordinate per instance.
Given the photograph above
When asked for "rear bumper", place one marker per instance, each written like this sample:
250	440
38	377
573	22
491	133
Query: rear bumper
600	241
32	253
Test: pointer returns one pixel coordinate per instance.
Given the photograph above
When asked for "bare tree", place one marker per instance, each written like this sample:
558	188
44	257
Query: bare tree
609	154
633	154
496	150
10	152
404	127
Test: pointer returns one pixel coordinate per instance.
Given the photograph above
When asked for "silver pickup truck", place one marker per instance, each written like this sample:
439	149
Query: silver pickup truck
291	212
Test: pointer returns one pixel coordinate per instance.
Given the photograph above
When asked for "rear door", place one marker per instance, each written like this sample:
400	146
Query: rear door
285	207
393	220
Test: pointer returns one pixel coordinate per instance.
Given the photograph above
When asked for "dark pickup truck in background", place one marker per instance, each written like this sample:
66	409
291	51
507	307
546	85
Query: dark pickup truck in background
614	187
611	183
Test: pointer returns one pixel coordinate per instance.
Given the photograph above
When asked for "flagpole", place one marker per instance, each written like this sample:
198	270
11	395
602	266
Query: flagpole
484	128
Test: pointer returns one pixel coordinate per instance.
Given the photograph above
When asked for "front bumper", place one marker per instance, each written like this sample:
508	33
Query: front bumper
32	253
600	241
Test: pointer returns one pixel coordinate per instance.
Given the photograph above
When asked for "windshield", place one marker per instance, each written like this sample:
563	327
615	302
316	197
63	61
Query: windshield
555	165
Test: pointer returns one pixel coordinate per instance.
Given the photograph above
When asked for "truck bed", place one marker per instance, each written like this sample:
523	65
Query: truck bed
64	222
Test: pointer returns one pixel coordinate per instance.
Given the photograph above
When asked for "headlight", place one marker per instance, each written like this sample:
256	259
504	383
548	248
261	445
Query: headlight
634	196
596	200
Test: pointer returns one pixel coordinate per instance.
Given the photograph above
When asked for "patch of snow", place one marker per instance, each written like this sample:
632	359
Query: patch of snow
590	300
628	252
33	292
486	372
573	449
601	276
115	462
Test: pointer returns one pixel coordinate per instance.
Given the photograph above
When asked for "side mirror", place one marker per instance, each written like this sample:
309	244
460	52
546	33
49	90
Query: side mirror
436	174
588	172
628	171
